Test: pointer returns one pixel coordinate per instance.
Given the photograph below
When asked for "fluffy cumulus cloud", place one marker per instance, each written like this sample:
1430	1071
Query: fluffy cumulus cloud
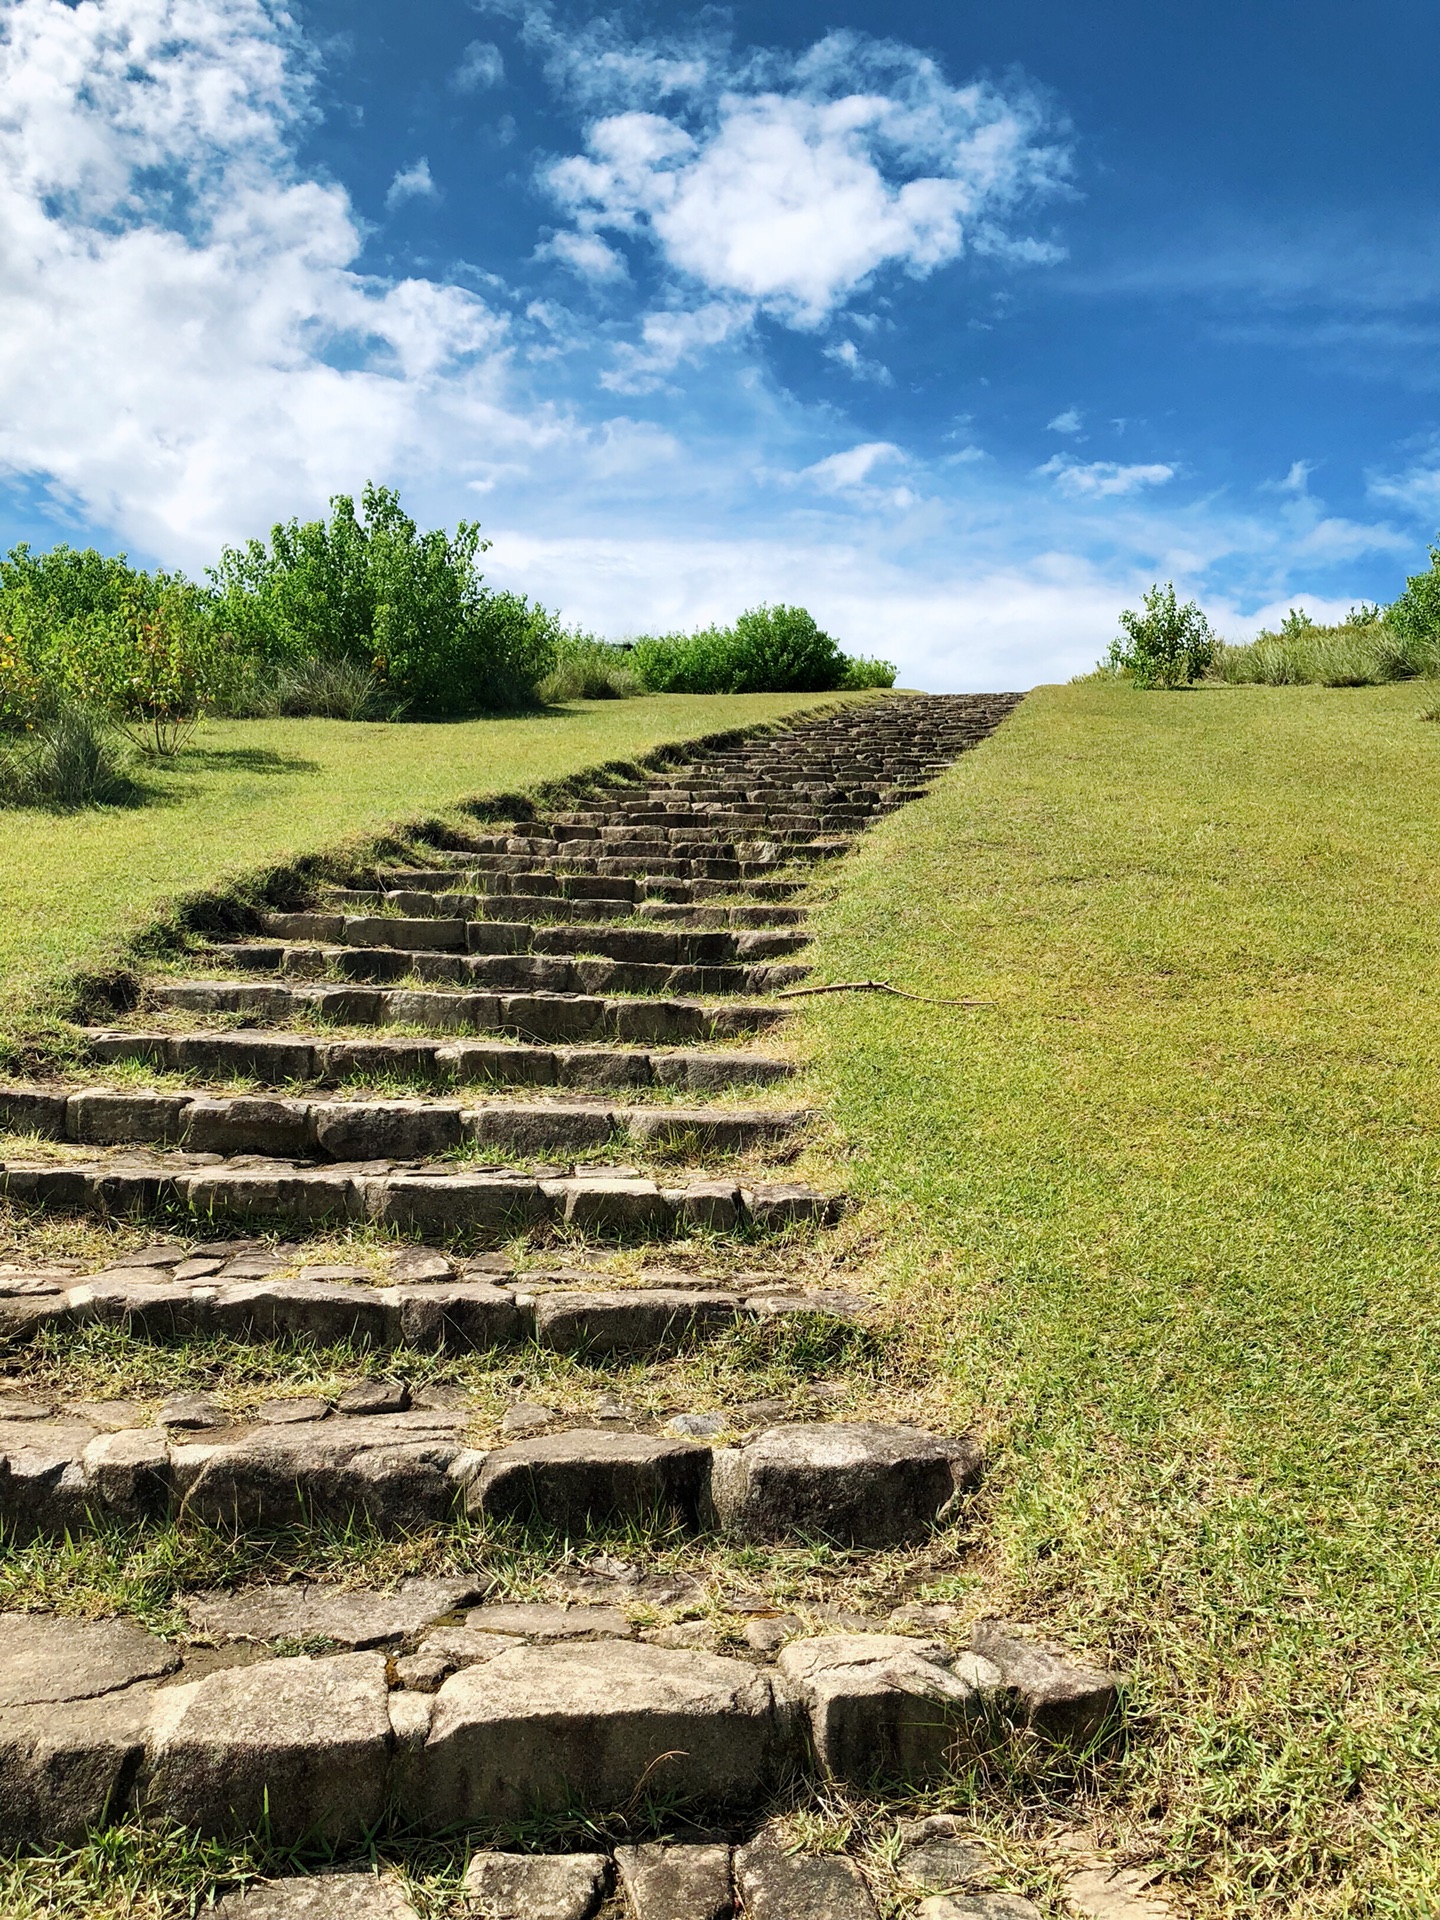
792	184
1103	479
185	343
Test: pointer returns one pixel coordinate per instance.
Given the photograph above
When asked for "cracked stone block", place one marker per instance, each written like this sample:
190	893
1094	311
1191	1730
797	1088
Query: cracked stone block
192	1412
66	1768
385	1129
33	1110
648	1319
46	1658
127	1474
103	1118
247	1124
42	1478
568	1479
374	1396
778	1885
715	1204
540	1127
329	1312
1065	1698
537	1886
940	1853
454	1316
868	1485
411	1265
676	1882
306	1742
978	1906
321	1896
539	1729
349	1617
542	1623
615	1206
882	1707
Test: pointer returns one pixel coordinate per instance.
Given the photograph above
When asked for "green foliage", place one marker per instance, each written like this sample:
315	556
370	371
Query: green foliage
1165	646
66	757
588	669
1363	651
410	608
768	650
862	672
1416	614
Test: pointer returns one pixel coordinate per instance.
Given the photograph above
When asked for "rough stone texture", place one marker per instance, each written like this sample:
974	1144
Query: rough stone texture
596	1722
537	1886
1064	1697
45	1658
776	1885
322	1896
676	1882
310	1736
651	1319
1100	1891
940	1853
978	1906
350	1617
551	1623
193	1412
882	1707
292	1412
374	1396
871	1486
570	1479
66	1768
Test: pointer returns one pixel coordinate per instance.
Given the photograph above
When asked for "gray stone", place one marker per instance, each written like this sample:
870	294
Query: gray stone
193	1412
940	1853
247	1124
412	1264
539	1729
866	1485
321	1896
42	1476
769	1632
567	1480
553	1127
775	1884
978	1906
386	1129
715	1204
196	1270
551	1623
527	1418
66	1768
350	1617
424	1672
303	1742
159	1253
46	1658
652	1319
127	1474
327	1311
1064	1698
453	1316
884	1708
676	1882
374	1396
537	1886
612	1206
296	1411
698	1426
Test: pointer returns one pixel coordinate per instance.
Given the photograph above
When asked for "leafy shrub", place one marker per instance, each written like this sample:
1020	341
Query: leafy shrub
408	607
1165	646
65	758
1416	614
862	672
768	650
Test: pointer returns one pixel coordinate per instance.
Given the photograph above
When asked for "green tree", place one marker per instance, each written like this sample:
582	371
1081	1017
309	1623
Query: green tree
1165	646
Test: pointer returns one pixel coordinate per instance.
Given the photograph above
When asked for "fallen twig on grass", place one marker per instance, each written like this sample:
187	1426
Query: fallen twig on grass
878	986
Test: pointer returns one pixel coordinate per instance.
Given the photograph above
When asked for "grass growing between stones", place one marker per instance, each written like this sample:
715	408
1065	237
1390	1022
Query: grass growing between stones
249	794
1166	1212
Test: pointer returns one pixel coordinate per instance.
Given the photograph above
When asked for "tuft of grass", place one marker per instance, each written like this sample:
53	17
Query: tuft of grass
1167	1212
1356	653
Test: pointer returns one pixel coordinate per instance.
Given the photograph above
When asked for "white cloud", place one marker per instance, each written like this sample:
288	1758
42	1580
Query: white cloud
481	65
1103	479
846	354
412	183
1070	421
795	196
671	338
1416	490
852	468
586	254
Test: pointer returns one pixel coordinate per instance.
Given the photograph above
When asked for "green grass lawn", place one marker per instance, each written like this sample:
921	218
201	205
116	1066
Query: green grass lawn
248	794
1166	1217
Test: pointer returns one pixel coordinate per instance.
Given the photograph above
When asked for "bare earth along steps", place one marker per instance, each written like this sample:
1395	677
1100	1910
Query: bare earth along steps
621	956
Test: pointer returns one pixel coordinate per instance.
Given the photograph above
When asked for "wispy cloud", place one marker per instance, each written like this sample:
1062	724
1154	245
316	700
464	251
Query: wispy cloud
1103	479
1070	421
481	65
412	183
846	354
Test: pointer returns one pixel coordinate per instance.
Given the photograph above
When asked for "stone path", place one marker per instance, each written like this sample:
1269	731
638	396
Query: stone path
550	997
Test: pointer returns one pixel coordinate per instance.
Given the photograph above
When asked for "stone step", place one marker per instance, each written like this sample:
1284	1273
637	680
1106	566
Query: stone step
542	1017
283	1059
441	1199
380	1129
459	930
471	1310
504	972
515	909
106	1722
607	891
857	1485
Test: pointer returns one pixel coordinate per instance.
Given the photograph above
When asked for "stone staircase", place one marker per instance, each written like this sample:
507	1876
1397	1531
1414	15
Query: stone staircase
551	995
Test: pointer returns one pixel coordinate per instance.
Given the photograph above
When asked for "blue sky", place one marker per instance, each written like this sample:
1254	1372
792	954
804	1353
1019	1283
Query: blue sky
957	324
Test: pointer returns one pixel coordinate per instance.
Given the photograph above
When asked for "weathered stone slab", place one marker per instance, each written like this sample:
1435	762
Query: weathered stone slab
322	1896
385	1129
676	1882
542	1623
978	1906
652	1319
868	1485
65	1768
247	1124
1066	1698
303	1742
612	1206
329	1312
452	1316
882	1707
778	1885
540	1127
940	1853
569	1479
537	1886
541	1728
47	1658
448	1203
350	1617
104	1118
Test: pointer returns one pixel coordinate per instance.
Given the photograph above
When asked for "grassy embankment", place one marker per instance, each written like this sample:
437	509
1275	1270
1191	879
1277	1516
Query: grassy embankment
76	888
1167	1215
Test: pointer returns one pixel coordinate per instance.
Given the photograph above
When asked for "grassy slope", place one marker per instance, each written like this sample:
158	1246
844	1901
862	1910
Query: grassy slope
1169	1211
250	794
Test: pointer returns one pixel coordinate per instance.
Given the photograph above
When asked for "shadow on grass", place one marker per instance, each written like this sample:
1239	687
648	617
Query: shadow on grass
243	760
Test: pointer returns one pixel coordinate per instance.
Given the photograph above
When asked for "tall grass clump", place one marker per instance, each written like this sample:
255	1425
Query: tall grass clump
1367	649
588	669
67	757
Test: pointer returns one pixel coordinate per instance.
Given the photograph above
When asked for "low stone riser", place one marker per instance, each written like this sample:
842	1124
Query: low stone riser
491	1207
380	1129
461	932
538	1017
518	912
283	1059
329	1749
500	972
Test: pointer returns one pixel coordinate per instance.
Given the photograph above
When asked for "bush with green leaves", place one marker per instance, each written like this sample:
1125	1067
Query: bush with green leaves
588	669
1166	645
770	649
410	608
